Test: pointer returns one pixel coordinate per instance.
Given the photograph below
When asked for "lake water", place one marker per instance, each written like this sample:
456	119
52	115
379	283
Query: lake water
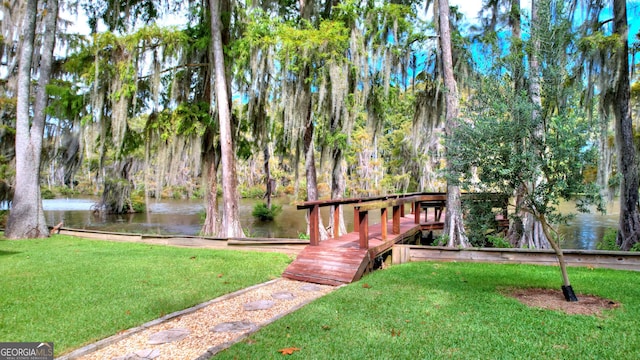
185	217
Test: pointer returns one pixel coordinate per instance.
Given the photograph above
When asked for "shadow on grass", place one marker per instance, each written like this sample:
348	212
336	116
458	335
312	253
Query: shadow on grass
7	253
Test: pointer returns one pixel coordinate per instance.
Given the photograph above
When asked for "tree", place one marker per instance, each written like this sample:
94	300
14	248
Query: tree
527	230
454	231
26	219
629	225
230	216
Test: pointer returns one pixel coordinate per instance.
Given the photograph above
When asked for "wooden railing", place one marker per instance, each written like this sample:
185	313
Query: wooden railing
421	202
361	214
313	208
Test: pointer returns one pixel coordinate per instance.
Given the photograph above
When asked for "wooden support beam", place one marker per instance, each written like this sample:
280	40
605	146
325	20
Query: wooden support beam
383	222
363	229
336	221
416	213
314	225
396	219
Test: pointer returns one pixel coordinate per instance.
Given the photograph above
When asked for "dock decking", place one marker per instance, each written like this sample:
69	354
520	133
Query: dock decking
340	260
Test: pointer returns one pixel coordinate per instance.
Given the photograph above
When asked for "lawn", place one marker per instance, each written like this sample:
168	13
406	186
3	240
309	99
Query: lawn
458	311
75	291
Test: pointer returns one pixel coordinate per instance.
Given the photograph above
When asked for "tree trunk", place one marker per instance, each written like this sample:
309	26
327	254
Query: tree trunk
629	226
606	149
26	218
230	216
267	175
310	163
211	224
453	227
530	232
566	285
337	191
306	13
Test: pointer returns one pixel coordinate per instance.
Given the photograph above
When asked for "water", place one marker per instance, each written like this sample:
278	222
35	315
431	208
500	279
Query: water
586	229
175	217
185	217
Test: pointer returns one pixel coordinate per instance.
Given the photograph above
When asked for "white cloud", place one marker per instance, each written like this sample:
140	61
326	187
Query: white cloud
470	8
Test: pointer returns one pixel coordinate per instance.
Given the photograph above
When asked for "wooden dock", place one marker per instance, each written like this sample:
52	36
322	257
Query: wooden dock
340	260
343	259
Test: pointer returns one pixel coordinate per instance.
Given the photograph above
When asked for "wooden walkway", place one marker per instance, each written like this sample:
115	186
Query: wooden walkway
340	260
344	259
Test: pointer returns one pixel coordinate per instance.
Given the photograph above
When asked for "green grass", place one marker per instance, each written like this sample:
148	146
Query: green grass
457	311
75	291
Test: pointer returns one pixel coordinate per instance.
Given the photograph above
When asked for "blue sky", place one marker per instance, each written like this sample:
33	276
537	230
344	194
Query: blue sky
471	8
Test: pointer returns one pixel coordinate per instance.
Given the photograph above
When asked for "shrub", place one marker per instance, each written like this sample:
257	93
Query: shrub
498	242
252	192
480	221
198	193
4	215
179	192
47	193
608	241
137	202
66	191
263	213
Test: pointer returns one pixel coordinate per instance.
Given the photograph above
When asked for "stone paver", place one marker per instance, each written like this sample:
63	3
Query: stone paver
310	287
259	305
168	336
146	354
283	295
235	326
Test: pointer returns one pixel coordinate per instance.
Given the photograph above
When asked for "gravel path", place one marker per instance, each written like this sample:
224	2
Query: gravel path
204	330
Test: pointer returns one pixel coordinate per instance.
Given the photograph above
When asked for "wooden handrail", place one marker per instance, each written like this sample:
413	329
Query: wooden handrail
361	214
395	201
322	203
313	208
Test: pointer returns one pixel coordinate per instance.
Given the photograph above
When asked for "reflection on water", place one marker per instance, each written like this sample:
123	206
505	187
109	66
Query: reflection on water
586	229
185	217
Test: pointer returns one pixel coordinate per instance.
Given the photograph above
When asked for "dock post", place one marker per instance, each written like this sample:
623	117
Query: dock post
396	219
314	225
336	221
383	222
363	229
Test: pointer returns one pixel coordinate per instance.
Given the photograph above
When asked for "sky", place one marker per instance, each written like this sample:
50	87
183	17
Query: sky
471	8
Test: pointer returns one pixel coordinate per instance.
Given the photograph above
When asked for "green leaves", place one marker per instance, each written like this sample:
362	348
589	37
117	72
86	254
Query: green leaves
188	119
502	147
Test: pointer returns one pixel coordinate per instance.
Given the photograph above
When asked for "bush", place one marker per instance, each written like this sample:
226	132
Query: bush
4	215
252	192
498	242
137	202
608	241
66	191
198	193
263	213
47	193
480	222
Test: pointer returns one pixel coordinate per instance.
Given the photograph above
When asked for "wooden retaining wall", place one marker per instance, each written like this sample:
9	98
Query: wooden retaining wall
620	260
